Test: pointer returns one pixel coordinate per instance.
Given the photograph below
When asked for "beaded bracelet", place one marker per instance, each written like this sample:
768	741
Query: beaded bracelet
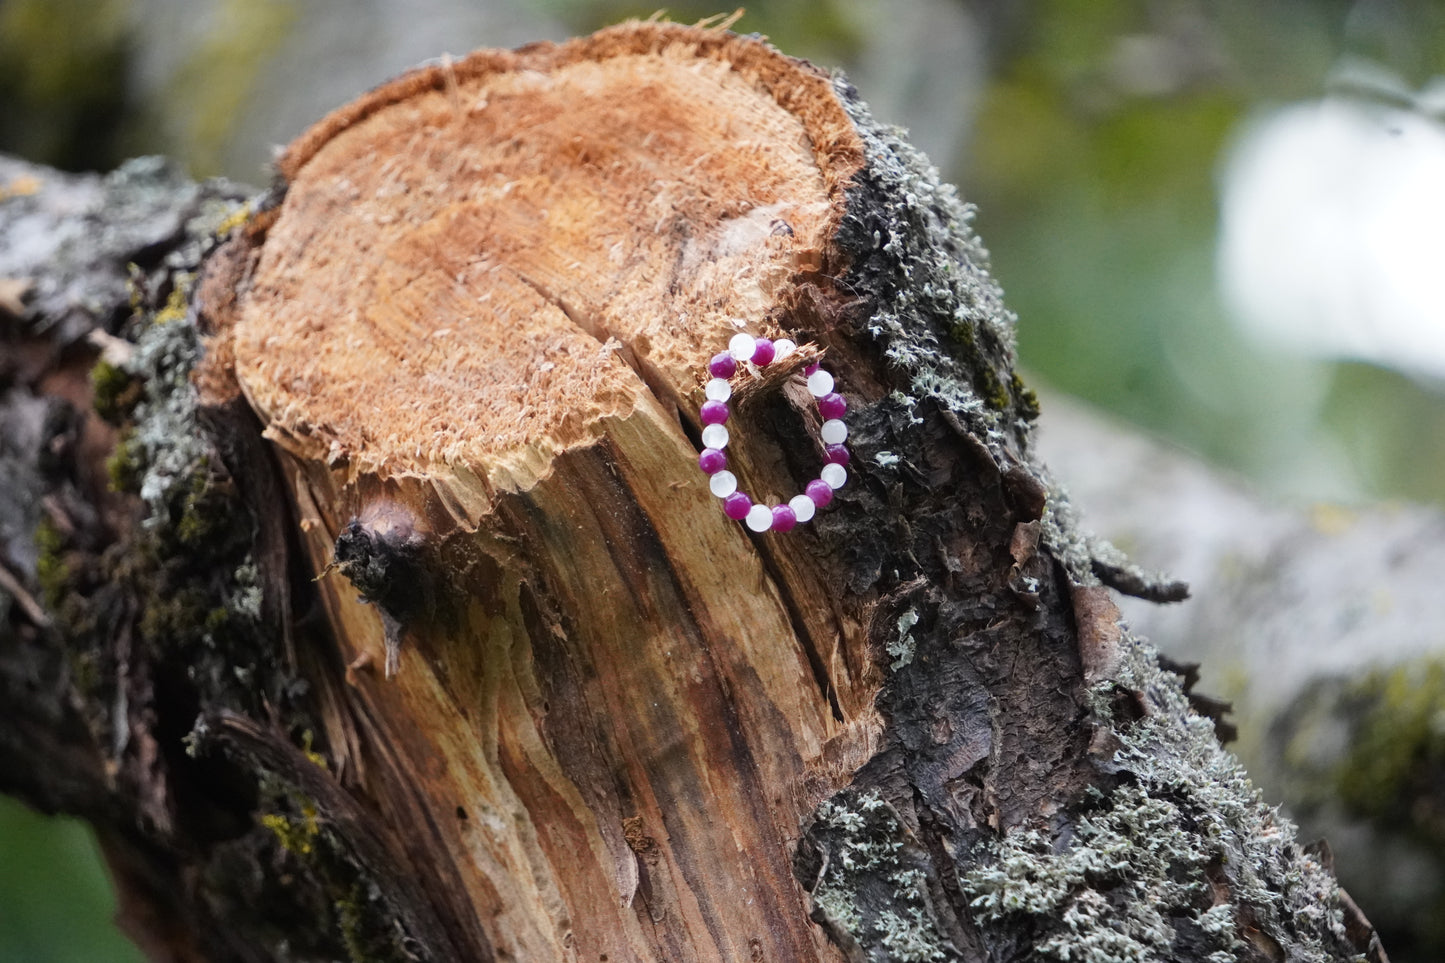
714	413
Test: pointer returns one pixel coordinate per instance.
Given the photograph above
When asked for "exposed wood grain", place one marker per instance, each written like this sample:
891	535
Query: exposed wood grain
485	304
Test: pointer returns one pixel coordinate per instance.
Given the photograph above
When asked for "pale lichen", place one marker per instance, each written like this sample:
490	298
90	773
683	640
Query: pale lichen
1115	892
902	647
870	885
1183	851
936	311
1172	853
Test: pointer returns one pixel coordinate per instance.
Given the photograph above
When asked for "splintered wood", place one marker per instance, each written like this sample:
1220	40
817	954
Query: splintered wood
478	263
485	305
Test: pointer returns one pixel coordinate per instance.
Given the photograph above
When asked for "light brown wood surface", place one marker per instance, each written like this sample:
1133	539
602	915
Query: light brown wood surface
485	305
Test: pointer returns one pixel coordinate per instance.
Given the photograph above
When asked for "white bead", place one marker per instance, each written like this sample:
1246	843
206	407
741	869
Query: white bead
715	436
718	389
834	432
742	347
782	348
820	383
723	484
802	507
760	518
834	475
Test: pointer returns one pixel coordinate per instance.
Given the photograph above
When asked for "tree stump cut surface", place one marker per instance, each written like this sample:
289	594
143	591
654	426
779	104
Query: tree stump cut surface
476	328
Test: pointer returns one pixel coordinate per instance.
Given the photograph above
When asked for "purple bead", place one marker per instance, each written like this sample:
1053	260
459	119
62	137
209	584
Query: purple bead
811	369
763	352
784	518
722	366
832	405
712	461
834	455
736	505
819	492
713	412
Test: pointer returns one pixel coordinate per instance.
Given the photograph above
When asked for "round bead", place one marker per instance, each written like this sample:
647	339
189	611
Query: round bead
715	412
820	383
820	492
723	484
712	461
830	405
741	347
736	506
722	366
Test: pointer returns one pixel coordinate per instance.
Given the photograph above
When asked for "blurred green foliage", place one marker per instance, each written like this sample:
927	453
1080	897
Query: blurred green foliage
55	900
1372	748
214	80
1094	164
63	97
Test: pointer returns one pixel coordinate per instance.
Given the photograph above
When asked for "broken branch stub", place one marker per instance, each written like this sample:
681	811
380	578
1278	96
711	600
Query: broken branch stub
475	321
476	325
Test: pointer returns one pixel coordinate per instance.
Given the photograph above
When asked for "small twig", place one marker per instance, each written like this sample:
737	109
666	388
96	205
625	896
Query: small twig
24	599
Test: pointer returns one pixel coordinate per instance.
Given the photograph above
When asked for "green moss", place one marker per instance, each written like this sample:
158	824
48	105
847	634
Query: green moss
1391	772
1027	403
85	674
238	217
296	833
992	390
184	571
201	512
174	617
217	619
349	918
125	464
307	739
366	929
114	392
176	302
51	570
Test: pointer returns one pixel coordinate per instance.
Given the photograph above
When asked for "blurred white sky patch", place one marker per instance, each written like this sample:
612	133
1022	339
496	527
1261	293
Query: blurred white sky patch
1332	236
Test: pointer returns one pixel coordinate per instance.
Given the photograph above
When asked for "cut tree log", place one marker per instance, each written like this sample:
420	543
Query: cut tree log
421	636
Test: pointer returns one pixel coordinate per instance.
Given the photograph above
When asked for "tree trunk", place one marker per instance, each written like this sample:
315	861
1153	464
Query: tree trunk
416	633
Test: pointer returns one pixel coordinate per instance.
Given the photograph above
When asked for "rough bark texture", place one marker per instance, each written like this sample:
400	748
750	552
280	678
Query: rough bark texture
1321	624
456	355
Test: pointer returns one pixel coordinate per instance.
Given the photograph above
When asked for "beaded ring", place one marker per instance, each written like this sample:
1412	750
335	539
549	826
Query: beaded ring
714	414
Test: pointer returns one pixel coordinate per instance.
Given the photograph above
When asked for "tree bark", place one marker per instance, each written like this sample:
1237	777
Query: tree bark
412	631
